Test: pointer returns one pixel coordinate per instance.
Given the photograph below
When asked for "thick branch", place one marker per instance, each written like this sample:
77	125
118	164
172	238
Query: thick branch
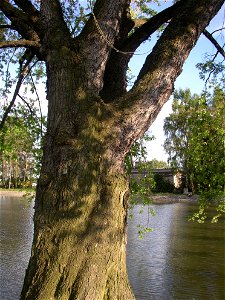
12	12
118	62
52	18
6	26
214	42
155	82
104	24
26	24
51	11
26	6
19	43
142	33
98	37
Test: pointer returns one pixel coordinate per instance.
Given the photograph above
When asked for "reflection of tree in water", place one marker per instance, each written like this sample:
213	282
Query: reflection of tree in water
16	237
196	258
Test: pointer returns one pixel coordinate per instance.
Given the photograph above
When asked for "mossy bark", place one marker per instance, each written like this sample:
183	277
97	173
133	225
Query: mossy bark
79	247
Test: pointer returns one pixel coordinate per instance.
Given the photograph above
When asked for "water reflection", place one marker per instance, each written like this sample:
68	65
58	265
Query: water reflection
15	239
180	259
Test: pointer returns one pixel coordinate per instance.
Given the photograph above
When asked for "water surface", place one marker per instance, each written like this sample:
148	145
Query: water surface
179	260
16	231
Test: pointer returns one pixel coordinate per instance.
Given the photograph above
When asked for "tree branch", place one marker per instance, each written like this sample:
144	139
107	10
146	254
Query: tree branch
214	42
51	10
142	33
26	6
12	12
99	34
220	29
33	114
53	21
22	75
25	24
39	104
28	105
118	62
19	43
140	106
6	26
105	22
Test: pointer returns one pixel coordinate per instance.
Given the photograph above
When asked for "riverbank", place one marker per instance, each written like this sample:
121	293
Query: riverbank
156	198
173	198
14	193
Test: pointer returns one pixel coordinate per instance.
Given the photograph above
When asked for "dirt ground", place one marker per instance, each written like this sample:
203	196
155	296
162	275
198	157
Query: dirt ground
11	193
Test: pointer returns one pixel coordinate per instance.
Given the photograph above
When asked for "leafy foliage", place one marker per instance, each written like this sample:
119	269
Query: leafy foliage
195	143
158	164
141	187
20	148
136	158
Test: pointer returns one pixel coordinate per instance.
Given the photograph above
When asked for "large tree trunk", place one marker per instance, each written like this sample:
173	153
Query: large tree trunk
81	201
79	242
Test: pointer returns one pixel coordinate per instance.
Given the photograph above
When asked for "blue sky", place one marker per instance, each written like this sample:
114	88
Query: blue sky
189	78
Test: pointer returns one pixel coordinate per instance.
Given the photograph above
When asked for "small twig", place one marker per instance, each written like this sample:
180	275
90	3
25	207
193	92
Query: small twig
39	103
5	115
207	79
214	42
222	28
27	104
7	70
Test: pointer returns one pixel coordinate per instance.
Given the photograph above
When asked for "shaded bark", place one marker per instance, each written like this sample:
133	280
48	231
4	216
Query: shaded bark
81	202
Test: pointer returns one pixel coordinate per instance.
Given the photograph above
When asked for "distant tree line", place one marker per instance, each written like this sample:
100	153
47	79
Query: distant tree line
195	133
20	147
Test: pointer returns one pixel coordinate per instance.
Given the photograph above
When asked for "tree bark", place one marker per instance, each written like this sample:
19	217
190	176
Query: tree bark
79	244
81	201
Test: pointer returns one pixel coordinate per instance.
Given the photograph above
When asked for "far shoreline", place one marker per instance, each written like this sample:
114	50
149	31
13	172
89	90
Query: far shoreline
14	193
172	198
156	198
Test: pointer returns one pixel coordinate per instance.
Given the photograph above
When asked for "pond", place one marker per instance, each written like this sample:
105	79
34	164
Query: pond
179	260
